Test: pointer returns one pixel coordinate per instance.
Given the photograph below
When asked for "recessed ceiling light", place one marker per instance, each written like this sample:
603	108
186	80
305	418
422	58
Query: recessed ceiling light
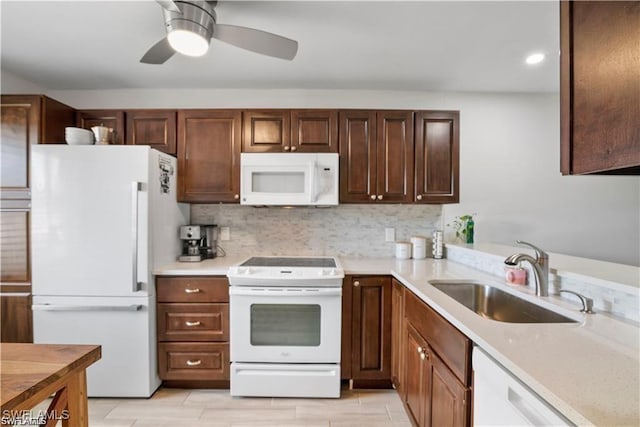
535	58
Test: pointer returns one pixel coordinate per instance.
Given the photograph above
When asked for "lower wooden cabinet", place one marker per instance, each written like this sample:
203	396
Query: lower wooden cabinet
397	335
437	368
16	319
193	331
193	361
371	331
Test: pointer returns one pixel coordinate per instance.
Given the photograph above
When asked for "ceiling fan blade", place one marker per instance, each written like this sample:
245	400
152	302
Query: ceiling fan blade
256	41
169	5
159	53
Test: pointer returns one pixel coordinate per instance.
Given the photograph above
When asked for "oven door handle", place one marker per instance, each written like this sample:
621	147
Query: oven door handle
284	292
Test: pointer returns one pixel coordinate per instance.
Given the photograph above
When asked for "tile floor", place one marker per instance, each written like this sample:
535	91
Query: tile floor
204	408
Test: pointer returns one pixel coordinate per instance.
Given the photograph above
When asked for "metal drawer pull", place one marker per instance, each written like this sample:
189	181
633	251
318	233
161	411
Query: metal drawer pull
356	283
196	323
423	356
194	362
420	350
192	291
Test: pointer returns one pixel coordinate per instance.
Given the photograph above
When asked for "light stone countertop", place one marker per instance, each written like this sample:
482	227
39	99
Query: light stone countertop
589	371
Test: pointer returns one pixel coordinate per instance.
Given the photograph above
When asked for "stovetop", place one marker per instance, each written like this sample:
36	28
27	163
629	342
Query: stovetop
289	262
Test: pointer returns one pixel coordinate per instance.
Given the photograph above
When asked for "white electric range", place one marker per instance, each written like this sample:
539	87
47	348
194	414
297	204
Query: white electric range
285	322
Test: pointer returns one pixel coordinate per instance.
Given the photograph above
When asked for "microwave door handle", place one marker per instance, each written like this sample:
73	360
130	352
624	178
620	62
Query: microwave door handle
313	194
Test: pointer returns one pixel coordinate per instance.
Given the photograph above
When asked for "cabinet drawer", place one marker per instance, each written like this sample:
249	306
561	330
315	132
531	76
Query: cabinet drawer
193	361
192	289
453	347
193	322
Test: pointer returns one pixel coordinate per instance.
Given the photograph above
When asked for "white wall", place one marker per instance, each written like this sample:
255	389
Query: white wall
509	162
13	84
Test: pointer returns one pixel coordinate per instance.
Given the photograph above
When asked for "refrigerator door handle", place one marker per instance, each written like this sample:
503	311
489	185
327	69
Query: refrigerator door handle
136	187
50	307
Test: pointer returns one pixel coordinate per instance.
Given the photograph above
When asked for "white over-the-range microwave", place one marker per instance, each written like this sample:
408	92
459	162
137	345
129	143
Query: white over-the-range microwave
289	179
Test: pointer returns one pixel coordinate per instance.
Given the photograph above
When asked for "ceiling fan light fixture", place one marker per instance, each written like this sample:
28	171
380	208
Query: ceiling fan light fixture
188	43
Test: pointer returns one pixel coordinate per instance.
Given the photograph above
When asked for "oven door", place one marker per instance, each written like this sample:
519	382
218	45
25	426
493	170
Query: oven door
285	325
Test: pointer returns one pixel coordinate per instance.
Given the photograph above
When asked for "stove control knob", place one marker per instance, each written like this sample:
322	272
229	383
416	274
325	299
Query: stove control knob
332	272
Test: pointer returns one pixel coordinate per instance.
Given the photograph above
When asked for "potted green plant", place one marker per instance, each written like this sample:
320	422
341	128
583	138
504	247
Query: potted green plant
464	228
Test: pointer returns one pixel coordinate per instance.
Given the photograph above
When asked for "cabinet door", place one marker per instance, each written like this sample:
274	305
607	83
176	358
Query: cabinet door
397	334
266	131
156	128
600	87
394	147
357	156
417	380
113	119
20	123
437	159
14	246
55	117
345	349
371	331
209	156
449	400
314	131
15	309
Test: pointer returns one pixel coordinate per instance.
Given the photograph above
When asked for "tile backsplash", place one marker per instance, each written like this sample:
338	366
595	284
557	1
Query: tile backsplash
344	230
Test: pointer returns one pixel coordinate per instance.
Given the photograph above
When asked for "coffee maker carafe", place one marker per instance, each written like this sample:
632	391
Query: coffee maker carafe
198	242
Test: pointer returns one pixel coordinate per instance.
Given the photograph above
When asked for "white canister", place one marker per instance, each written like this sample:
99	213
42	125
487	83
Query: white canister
403	250
419	245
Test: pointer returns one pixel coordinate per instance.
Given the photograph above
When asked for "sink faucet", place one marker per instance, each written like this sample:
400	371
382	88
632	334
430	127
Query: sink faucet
540	266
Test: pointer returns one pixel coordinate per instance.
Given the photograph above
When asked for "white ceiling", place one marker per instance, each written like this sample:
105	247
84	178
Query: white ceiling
394	45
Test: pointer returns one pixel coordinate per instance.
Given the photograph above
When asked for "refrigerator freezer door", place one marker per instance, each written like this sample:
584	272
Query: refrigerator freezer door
90	227
124	327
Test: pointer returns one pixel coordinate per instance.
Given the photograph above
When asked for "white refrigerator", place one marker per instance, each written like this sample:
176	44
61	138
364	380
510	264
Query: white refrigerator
103	217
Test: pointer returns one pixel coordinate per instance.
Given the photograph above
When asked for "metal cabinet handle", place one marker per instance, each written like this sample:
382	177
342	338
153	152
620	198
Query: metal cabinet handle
420	350
294	148
287	148
191	291
189	323
423	356
194	362
380	197
419	197
356	283
236	196
373	197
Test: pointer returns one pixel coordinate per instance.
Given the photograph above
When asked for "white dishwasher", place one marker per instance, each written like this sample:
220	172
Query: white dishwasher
500	399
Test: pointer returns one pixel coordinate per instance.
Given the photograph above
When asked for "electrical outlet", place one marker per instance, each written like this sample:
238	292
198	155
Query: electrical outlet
390	234
225	234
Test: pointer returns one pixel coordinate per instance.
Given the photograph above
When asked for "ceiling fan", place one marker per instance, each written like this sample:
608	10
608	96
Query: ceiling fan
191	24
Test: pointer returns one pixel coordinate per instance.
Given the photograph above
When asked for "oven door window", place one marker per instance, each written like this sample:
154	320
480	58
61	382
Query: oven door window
296	325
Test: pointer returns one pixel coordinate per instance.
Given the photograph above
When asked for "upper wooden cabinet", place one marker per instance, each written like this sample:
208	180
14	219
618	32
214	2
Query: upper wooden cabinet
600	87
156	128
26	120
113	119
302	131
314	131
437	161
376	156
266	131
209	155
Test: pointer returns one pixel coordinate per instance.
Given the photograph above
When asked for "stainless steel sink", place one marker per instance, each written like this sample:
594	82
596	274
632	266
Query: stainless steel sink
493	303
